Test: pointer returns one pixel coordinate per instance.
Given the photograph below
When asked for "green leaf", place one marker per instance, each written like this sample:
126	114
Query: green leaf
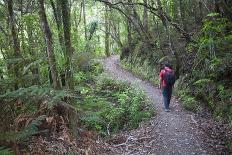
214	14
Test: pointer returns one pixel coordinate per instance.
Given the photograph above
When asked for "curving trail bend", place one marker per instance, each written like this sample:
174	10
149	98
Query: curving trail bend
174	133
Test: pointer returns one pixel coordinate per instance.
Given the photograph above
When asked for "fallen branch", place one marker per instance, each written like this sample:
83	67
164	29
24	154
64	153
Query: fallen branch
124	142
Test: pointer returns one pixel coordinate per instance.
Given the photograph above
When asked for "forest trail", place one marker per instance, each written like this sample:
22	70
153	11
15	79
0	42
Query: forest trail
175	132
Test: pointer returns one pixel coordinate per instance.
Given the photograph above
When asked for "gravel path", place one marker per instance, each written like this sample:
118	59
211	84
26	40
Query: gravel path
174	133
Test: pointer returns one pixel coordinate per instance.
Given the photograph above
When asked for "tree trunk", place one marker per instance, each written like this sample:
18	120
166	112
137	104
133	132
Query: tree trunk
49	43
16	43
200	12
84	16
107	29
171	44
68	45
58	18
182	15
32	45
129	29
145	17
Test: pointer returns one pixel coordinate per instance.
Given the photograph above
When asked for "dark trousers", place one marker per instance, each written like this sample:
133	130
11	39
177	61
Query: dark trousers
167	94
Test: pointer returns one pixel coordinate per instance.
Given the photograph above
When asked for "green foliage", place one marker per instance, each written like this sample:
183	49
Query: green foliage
92	28
202	82
209	83
22	135
213	14
214	43
206	92
229	145
112	106
36	93
83	61
188	101
30	129
144	71
88	75
164	59
26	101
6	151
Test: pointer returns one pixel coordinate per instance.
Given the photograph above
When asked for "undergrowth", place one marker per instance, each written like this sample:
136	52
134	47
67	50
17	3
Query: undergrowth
207	83
24	110
110	106
144	70
6	151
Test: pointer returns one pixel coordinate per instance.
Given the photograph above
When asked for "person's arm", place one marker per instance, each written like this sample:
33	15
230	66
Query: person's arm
160	84
161	80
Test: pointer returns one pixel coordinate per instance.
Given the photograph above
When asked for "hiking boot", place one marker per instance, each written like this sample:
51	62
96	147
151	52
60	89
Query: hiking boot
167	110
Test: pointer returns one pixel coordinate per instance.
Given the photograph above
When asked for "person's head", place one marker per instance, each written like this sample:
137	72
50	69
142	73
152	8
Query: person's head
168	65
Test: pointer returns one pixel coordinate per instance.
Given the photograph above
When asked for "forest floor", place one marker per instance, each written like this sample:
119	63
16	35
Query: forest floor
175	132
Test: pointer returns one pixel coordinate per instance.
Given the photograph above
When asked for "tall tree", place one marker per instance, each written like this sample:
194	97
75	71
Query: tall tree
182	14
129	28
68	45
166	24
107	32
84	16
16	43
32	45
58	18
49	43
145	16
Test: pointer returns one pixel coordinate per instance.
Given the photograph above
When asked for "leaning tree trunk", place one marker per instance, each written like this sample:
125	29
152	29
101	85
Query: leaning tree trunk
16	43
49	43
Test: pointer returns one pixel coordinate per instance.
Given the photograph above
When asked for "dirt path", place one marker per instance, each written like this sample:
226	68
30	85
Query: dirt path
174	133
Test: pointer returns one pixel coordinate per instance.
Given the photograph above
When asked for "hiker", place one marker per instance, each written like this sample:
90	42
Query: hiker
167	80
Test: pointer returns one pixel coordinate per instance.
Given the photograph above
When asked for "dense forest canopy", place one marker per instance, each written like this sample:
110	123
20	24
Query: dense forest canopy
50	52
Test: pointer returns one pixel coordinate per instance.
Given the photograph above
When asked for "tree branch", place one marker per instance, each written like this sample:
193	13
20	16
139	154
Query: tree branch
157	12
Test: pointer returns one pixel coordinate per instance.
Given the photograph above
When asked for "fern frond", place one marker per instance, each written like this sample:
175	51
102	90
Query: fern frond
5	151
31	129
92	117
37	93
32	64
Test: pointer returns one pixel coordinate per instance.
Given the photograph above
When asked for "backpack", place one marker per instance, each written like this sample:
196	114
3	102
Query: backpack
169	78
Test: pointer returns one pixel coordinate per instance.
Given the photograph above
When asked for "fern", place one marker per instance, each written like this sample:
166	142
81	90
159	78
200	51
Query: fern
32	64
36	93
202	82
113	105
163	59
6	151
25	92
92	116
214	14
57	95
31	129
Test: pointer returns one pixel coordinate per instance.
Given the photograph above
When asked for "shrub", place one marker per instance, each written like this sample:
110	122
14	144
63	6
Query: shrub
188	101
111	106
144	71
